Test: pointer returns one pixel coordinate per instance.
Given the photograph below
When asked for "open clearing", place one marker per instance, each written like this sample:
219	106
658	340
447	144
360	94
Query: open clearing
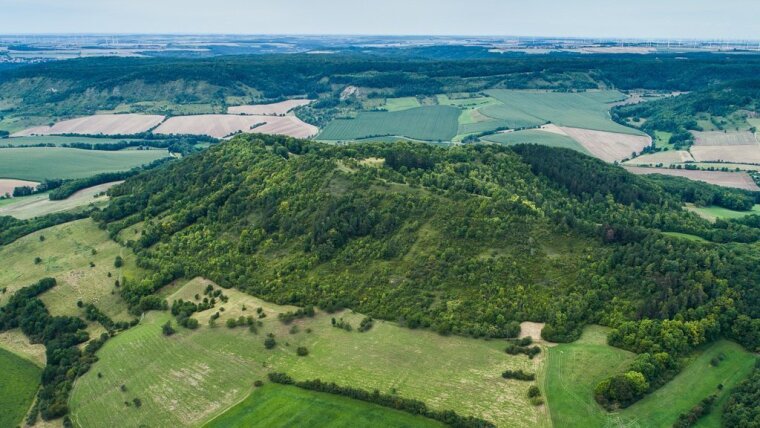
608	146
38	205
429	123
739	180
574	369
224	125
100	124
15	341
8	184
193	376
665	158
588	110
536	136
714	212
747	153
18	384
39	163
268	109
66	253
403	103
276	405
720	138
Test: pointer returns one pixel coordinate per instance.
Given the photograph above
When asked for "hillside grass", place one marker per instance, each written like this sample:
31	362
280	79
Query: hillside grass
715	212
276	405
19	379
39	163
428	123
399	104
193	376
574	369
589	110
66	254
536	137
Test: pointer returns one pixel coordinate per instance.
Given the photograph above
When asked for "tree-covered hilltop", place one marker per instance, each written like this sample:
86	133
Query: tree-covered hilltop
467	240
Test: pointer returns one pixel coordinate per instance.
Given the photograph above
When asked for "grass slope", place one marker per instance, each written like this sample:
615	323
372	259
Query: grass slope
715	212
193	376
18	384
66	254
429	123
285	406
39	163
574	369
536	137
588	110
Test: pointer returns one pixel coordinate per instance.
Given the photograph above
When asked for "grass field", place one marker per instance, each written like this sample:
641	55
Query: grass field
715	212
288	406
574	369
39	163
589	110
19	379
403	103
40	204
65	255
58	140
536	137
514	115
193	376
429	123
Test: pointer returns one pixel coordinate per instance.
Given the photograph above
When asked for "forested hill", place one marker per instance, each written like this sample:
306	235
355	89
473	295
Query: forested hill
465	240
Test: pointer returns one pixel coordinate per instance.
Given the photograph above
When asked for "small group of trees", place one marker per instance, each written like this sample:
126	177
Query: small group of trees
518	375
290	316
515	349
342	324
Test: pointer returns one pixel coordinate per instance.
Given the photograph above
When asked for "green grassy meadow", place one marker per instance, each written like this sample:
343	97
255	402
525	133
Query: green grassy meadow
39	163
276	405
716	212
536	137
588	110
399	104
574	369
58	140
19	379
687	236
193	376
429	123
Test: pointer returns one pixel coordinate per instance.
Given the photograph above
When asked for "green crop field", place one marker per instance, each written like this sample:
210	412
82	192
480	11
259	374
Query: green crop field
403	103
512	115
535	137
19	379
429	123
39	163
588	110
574	369
58	140
286	406
715	212
690	237
65	254
193	376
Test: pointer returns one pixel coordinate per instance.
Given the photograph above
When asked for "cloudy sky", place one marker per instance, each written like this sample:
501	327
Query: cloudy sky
726	19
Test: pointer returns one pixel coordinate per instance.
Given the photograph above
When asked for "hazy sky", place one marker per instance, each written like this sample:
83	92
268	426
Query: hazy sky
738	19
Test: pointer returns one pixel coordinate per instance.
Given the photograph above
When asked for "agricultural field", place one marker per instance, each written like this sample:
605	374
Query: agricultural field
747	153
100	124
19	379
79	255
224	125
429	123
16	342
193	376
574	369
665	158
714	212
58	140
39	163
276	405
608	146
532	136
588	110
39	204
739	180
8	184
276	109
719	138
399	104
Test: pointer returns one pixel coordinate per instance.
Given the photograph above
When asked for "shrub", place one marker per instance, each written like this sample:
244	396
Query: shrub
302	351
518	375
118	262
167	329
269	343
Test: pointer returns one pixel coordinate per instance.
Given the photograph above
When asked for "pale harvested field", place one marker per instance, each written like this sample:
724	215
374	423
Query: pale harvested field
608	146
15	341
668	157
552	128
268	109
8	184
739	180
720	138
747	153
100	124
38	206
223	125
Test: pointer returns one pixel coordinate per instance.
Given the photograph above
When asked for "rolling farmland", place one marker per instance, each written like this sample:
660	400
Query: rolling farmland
536	137
223	125
39	163
719	138
608	146
430	123
19	378
739	180
39	204
101	124
665	157
275	109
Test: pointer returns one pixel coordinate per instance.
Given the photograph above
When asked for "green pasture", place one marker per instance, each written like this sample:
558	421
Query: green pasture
19	379
429	123
531	136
